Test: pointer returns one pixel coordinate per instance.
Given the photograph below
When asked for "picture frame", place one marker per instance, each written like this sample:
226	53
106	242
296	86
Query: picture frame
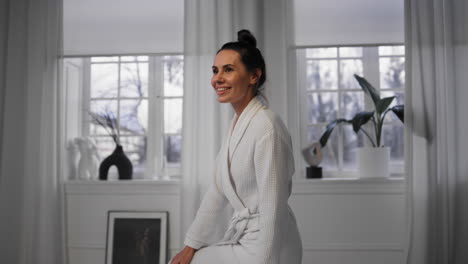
136	237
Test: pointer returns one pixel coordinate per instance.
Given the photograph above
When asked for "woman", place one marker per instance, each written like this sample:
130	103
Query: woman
253	172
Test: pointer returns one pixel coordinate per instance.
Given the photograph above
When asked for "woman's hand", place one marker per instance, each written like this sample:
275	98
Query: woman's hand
184	256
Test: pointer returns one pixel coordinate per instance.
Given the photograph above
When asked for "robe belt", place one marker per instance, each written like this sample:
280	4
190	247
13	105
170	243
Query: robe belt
233	234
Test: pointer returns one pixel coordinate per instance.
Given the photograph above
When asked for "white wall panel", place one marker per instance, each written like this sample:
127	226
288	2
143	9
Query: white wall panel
88	203
338	22
86	255
350	221
123	27
340	221
352	257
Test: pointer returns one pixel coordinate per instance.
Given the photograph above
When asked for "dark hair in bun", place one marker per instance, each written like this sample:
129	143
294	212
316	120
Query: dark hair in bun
251	57
244	36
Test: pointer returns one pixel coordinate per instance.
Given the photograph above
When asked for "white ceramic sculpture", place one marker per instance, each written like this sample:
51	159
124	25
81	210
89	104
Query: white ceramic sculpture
88	166
309	156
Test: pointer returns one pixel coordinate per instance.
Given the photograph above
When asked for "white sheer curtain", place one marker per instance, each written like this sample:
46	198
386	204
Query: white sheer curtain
436	84
208	25
30	194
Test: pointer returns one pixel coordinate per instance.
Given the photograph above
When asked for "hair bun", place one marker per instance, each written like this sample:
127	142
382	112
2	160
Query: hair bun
244	36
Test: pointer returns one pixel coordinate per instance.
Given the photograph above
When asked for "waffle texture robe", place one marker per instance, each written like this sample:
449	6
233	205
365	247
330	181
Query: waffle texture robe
253	175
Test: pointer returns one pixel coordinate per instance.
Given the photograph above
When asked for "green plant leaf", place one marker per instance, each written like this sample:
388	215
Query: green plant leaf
383	104
329	129
399	111
360	119
368	88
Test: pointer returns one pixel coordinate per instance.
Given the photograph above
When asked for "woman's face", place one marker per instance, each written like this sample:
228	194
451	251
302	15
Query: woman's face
231	80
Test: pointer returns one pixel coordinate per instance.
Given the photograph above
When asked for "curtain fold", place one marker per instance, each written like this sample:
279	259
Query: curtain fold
432	130
208	25
30	186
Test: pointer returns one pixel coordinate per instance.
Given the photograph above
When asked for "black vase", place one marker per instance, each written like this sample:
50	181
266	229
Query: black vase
120	160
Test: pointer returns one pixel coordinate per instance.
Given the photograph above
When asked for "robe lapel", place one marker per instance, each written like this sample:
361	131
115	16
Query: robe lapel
229	149
242	124
225	175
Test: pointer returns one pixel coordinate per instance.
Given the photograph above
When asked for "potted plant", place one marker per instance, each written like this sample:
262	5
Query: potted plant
372	161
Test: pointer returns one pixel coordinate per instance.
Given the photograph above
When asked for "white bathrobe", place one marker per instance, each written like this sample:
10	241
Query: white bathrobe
253	175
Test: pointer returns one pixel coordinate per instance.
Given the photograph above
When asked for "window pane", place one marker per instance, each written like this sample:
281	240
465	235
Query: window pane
399	100
351	103
104	59
104	80
322	74
134	58
330	151
134	116
322	107
391	50
134	80
173	148
105	146
351	141
350	52
347	70
174	57
321	53
392	72
101	108
393	137
173	115
173	77
135	149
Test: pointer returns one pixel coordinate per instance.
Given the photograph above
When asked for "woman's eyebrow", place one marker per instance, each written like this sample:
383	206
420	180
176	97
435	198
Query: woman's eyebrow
224	66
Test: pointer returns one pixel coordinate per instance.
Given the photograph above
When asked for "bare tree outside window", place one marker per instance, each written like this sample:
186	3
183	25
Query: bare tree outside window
128	87
332	92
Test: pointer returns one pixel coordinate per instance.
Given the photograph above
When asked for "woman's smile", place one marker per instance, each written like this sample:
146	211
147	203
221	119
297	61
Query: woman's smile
222	90
231	80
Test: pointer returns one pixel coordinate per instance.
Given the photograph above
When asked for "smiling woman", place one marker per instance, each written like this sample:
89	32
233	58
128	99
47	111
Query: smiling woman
231	80
253	172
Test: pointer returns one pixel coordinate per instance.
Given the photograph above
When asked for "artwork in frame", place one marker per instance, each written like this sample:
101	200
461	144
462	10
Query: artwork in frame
136	237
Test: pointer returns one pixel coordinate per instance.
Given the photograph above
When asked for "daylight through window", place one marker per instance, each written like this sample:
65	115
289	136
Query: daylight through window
328	90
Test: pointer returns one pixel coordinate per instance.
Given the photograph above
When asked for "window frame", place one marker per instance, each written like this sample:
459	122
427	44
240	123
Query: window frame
371	71
156	165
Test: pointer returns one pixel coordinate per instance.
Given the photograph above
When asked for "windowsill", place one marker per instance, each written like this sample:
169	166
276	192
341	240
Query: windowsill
123	182
350	185
133	187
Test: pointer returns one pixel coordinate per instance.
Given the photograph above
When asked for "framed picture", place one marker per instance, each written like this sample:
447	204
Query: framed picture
136	237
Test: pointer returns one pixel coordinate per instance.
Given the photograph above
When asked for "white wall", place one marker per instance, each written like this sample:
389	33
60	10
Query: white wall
88	204
123	27
352	221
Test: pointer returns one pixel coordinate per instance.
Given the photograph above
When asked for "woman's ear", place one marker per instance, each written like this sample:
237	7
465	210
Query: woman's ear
255	76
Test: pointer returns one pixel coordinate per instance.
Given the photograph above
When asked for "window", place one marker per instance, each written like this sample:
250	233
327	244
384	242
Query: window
144	95
328	90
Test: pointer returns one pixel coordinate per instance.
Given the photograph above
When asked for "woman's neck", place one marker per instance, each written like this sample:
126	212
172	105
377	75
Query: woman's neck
240	106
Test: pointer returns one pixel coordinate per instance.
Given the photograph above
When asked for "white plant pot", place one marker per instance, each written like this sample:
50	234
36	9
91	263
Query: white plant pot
373	162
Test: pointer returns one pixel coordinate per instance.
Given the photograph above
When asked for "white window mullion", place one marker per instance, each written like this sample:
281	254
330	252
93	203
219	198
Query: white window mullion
118	97
86	120
155	150
340	129
301	75
370	68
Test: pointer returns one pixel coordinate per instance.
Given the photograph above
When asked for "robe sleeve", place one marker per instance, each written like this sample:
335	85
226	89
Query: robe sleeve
211	209
274	166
